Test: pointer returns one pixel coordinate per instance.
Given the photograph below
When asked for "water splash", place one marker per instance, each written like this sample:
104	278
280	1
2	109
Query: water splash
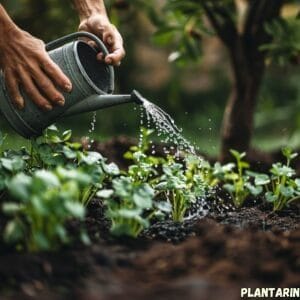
153	117
165	127
92	129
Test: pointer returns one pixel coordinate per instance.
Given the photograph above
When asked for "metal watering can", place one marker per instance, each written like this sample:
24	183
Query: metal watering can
93	84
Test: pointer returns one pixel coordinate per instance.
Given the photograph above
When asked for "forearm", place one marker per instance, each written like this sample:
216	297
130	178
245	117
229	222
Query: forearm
6	23
87	8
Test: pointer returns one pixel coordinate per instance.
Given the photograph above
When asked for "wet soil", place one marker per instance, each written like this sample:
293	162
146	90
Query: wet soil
203	258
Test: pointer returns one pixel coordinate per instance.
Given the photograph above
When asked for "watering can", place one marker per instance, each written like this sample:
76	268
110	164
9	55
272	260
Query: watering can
92	80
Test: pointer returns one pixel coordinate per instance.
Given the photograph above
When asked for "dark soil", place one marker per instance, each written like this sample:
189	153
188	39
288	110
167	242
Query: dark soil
208	258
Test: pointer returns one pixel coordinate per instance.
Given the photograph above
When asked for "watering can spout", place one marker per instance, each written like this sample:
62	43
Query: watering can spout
97	102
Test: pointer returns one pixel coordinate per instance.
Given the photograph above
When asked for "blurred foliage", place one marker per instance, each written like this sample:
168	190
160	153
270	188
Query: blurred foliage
285	46
179	28
46	19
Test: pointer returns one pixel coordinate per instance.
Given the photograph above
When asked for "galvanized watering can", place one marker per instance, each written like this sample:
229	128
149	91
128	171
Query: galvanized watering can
93	84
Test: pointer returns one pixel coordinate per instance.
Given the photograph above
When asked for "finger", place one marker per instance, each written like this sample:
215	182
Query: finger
56	74
47	87
92	44
32	91
115	57
100	56
12	86
109	38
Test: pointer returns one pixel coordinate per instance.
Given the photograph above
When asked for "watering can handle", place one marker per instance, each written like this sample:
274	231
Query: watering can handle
70	37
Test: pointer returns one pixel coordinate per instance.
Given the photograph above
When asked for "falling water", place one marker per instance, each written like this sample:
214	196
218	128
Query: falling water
92	129
152	116
165	127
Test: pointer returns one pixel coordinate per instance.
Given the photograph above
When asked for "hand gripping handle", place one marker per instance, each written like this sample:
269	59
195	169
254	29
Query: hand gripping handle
70	37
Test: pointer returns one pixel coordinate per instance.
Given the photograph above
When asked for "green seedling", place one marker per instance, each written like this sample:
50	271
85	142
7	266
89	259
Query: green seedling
236	180
40	207
282	188
129	206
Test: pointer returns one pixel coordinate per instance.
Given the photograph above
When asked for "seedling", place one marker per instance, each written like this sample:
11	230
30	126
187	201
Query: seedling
42	204
129	206
284	188
236	179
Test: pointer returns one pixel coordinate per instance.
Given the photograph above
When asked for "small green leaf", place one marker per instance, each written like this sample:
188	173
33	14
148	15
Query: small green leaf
111	169
13	232
67	135
11	208
229	187
76	209
163	206
270	197
286	191
105	194
254	190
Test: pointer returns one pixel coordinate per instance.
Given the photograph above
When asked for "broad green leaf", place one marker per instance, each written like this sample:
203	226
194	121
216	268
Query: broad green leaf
143	195
19	186
48	178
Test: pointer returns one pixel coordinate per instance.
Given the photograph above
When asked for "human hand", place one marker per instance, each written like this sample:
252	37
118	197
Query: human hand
99	25
26	64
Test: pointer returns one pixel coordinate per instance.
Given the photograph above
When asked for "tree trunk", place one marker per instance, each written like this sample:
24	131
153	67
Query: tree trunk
248	68
238	117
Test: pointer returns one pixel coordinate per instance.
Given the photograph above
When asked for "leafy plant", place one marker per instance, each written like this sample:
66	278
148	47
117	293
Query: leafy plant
285	46
282	188
237	181
129	206
42	204
47	187
176	185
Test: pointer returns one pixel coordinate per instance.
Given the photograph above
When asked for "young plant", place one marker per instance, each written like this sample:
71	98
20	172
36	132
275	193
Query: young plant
284	189
129	206
181	186
237	182
144	166
42	205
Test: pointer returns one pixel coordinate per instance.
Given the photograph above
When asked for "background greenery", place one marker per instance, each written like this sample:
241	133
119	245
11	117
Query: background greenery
194	95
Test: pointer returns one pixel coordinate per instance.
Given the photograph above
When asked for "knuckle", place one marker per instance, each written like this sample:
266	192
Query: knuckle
44	85
48	65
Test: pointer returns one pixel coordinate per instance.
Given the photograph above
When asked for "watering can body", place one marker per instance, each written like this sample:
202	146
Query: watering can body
93	84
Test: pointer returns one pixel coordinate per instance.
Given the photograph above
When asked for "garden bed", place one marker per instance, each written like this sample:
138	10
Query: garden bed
207	258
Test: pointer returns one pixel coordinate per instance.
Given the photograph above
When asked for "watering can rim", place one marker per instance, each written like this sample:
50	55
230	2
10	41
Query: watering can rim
84	73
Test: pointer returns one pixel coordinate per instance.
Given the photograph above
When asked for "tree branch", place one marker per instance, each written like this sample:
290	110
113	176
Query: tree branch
221	21
260	12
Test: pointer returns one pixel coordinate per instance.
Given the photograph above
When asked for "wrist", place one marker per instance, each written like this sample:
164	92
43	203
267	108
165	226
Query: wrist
7	27
90	8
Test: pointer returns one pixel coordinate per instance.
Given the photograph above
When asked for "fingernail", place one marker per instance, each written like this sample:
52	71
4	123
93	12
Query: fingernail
48	107
108	60
68	87
18	104
61	102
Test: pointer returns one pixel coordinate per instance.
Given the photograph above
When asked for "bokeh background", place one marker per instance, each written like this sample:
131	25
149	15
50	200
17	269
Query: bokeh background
195	93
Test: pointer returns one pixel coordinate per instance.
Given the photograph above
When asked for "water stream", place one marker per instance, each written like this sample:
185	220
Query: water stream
165	127
153	117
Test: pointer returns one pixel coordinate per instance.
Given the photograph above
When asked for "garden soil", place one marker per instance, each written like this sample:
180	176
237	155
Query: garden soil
207	258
